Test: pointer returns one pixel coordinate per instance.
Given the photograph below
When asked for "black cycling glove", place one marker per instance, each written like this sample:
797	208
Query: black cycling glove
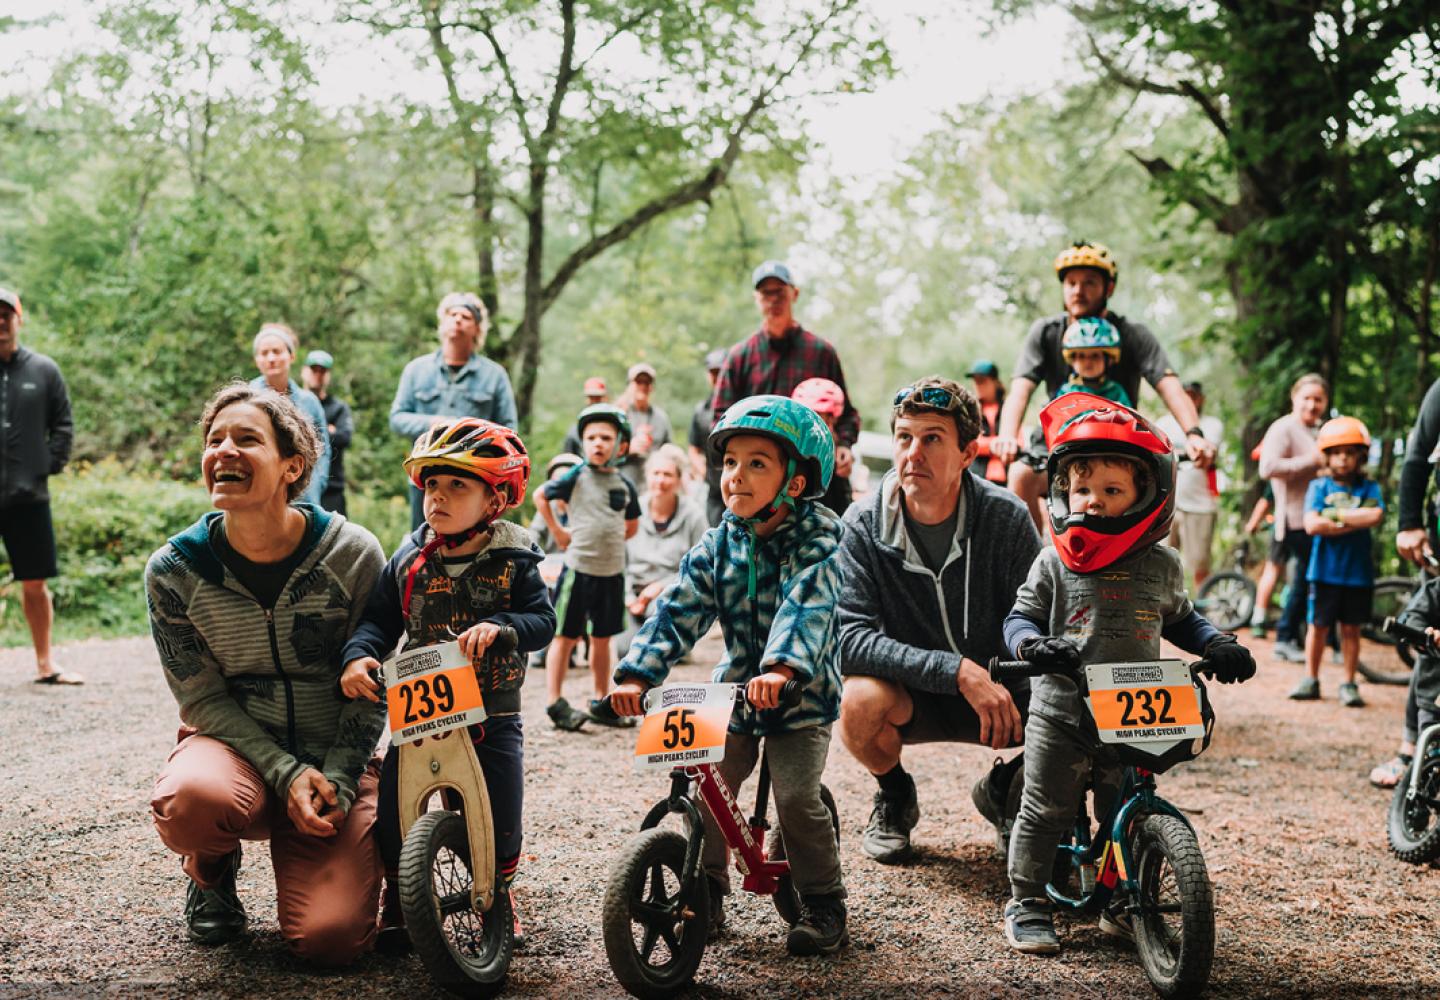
1051	653
1228	661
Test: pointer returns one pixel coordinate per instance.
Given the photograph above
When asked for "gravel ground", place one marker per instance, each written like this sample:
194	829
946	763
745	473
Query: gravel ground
1310	902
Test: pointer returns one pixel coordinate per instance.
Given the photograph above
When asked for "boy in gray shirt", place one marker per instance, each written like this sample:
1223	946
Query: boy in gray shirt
1105	593
604	511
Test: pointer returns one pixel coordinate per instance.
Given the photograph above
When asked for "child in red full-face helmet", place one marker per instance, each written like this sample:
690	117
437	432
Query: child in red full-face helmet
1106	592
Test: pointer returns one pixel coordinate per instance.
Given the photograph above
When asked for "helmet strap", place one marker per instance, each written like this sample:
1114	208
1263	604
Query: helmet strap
782	499
446	541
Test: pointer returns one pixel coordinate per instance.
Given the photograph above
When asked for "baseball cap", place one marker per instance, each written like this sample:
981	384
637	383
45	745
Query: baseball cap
984	366
12	300
595	386
1194	387
319	359
772	269
638	369
715	360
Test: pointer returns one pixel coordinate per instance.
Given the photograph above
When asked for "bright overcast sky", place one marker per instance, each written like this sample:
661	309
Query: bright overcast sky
943	63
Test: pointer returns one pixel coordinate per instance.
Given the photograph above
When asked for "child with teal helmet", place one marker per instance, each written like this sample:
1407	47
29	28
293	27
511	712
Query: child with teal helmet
768	573
1090	346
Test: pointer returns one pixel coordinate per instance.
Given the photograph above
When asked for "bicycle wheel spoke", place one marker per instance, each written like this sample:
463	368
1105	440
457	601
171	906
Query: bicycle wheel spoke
652	938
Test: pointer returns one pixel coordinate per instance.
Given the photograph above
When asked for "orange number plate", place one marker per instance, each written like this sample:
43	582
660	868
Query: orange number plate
430	690
684	724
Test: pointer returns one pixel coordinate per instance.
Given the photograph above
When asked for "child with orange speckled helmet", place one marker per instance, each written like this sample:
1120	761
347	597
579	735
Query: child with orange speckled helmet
1105	592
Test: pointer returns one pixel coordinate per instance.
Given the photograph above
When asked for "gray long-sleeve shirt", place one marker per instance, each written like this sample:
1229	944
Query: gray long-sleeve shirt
35	426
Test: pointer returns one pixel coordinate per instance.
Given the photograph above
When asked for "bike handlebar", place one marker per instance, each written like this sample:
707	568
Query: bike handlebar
1407	633
790	694
1010	670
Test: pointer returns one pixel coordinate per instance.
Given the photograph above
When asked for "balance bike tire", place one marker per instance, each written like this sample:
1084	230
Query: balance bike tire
1175	924
654	938
1414	824
466	952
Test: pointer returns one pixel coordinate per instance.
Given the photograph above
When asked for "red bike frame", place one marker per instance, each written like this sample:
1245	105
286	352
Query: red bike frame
745	838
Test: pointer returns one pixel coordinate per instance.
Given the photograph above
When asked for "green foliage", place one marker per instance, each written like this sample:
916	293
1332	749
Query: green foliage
108	521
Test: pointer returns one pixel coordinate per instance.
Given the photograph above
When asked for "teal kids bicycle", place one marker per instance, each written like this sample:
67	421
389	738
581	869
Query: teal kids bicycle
1142	863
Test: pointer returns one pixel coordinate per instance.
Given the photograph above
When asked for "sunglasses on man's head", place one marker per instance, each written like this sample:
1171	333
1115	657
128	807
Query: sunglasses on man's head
930	395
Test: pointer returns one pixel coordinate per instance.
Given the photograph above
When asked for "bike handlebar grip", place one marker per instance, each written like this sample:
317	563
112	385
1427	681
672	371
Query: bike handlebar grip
791	694
1009	670
1406	633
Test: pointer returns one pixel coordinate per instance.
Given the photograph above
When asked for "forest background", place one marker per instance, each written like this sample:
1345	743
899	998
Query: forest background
605	174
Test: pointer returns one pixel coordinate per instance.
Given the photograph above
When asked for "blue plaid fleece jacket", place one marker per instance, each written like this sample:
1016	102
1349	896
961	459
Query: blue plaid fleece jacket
790	623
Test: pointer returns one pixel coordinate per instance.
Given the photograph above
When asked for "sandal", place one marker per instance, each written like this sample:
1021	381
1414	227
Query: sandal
60	677
1388	774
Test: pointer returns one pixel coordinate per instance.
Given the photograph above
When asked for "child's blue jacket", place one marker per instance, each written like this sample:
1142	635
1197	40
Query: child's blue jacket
791	621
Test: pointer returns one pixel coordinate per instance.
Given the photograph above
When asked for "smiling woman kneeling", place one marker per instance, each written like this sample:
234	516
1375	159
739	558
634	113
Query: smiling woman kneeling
250	608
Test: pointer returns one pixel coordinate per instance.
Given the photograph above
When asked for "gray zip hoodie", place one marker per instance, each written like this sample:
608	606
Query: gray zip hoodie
900	621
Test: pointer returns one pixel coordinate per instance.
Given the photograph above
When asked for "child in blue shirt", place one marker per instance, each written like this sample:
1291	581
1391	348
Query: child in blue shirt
1340	510
768	572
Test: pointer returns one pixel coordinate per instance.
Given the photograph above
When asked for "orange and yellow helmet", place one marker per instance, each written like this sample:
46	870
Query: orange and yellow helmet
481	449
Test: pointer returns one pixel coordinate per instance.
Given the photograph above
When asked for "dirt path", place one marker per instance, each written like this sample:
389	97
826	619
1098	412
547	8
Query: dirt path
1310	901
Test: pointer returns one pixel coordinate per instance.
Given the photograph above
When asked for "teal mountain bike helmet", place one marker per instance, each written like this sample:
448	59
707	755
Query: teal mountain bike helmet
801	433
1091	333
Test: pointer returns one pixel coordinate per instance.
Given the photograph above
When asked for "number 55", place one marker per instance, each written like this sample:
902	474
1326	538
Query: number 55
679	730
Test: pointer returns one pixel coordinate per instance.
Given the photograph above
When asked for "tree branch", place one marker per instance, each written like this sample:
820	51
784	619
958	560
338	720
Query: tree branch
624	27
564	73
517	100
1143	84
1223	215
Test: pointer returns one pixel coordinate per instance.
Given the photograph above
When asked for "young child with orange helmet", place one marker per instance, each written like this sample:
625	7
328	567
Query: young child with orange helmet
1106	592
462	574
828	400
1340	510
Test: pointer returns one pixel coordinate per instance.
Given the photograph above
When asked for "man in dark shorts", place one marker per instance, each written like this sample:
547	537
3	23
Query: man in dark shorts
1087	274
931	562
339	424
35	435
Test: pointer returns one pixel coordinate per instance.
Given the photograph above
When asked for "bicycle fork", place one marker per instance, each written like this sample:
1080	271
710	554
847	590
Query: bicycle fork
447	762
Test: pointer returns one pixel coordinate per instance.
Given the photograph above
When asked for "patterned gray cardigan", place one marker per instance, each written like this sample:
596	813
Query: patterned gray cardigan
267	682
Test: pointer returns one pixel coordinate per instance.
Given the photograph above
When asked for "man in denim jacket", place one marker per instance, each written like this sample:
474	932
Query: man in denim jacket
453	382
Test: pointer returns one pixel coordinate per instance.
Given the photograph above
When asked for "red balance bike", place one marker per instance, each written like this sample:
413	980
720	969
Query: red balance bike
657	905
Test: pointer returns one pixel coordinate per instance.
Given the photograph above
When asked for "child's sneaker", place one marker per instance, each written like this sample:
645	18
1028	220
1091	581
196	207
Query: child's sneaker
564	717
821	930
1308	689
1030	926
1257	630
1115	921
717	907
601	711
1350	695
1289	652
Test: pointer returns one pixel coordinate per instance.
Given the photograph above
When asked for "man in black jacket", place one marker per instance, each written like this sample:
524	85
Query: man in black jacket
35	434
930	564
338	424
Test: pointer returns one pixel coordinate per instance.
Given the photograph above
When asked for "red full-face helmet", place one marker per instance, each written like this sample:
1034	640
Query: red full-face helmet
1079	424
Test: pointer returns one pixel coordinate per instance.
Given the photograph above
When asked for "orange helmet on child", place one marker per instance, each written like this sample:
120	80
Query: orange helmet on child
821	395
481	449
1342	431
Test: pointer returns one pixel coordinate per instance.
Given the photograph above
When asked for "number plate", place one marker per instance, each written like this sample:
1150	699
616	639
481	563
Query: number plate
684	724
429	690
1144	703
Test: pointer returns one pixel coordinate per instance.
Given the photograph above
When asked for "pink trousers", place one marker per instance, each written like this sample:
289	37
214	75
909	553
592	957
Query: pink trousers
208	798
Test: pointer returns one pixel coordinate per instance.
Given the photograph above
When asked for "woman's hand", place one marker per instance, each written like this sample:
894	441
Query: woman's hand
477	638
764	691
629	698
312	804
356	680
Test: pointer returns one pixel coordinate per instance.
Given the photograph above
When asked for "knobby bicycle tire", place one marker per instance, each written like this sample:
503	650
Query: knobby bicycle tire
1414	824
1176	953
644	891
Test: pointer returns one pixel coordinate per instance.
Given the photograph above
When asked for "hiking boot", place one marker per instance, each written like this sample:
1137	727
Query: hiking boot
564	717
391	938
601	712
1350	695
887	834
1115	921
216	915
1288	651
821	930
990	795
717	907
1308	689
1030	926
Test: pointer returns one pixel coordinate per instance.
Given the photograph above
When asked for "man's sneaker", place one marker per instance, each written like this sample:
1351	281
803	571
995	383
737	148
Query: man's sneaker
392	938
1030	926
717	907
887	834
1288	651
990	795
601	712
1257	630
1350	695
1307	689
565	717
1115	921
216	915
821	930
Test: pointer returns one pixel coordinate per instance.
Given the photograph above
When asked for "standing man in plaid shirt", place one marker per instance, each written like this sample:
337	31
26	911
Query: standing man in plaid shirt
778	357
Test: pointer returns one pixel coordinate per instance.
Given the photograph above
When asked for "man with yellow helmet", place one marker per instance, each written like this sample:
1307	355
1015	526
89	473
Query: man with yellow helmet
1087	273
